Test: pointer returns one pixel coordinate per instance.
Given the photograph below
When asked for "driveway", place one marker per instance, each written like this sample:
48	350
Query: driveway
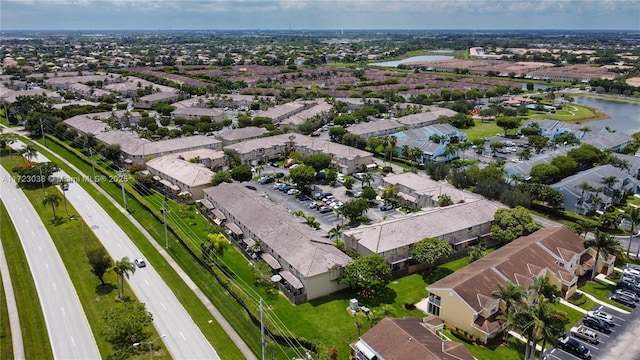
67	325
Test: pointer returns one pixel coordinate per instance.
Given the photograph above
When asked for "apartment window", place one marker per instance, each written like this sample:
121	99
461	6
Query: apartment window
434	305
394	251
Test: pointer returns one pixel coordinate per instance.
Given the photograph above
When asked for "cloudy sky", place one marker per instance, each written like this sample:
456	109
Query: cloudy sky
318	14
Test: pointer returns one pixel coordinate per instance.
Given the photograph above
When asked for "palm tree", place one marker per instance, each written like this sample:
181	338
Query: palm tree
366	179
335	232
632	213
29	152
405	151
542	287
584	186
52	199
64	184
512	296
123	268
608	182
603	243
215	244
540	322
312	222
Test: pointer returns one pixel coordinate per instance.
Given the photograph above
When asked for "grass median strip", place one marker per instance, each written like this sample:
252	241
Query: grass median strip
35	337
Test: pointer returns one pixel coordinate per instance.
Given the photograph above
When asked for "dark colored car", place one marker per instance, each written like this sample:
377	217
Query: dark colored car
278	175
574	347
597	324
386	207
324	209
266	180
623	299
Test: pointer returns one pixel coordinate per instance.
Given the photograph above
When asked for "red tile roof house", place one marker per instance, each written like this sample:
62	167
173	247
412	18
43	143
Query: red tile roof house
463	299
407	339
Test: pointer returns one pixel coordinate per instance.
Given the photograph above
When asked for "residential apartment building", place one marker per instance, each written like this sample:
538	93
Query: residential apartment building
463	299
432	140
393	238
345	158
232	136
308	263
420	191
179	175
198	112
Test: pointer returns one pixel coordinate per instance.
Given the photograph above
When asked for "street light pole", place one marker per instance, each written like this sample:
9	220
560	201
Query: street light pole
123	177
93	168
150	345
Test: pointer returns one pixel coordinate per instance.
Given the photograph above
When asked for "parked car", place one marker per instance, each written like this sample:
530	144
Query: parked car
140	262
324	209
574	347
597	324
601	315
357	194
584	333
386	207
628	285
266	180
273	164
284	187
313	205
288	165
623	299
293	192
628	293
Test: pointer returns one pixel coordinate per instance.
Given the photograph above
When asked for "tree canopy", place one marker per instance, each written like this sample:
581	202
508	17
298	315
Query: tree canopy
429	251
510	224
317	161
302	175
369	273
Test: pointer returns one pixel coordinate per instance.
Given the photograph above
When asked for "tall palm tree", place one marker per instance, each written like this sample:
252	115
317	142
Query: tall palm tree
542	287
632	213
405	151
603	243
608	182
584	186
29	152
540	322
335	232
366	179
52	199
123	268
512	296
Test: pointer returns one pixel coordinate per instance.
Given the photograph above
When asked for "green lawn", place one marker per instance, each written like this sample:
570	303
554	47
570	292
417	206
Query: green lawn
515	350
573	315
6	344
35	337
585	303
571	113
600	290
481	130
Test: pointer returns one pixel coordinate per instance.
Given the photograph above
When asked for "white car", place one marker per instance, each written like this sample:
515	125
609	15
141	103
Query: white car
601	315
293	192
140	262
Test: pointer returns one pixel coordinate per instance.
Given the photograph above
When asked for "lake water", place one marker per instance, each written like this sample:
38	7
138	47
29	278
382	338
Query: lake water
623	116
536	86
395	63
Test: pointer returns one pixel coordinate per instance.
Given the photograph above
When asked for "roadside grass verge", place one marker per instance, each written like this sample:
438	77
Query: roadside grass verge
35	336
68	239
6	343
196	309
600	290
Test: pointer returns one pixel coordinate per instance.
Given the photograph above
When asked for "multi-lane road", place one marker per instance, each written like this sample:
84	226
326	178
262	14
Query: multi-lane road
69	331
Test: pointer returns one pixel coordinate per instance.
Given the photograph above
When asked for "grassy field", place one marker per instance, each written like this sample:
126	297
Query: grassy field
35	337
67	236
483	130
572	113
6	344
600	290
218	296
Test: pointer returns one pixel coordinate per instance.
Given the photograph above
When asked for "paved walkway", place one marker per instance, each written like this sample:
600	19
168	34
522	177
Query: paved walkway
235	337
12	308
609	306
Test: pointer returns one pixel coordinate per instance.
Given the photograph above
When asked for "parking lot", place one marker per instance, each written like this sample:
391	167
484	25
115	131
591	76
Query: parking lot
620	344
304	202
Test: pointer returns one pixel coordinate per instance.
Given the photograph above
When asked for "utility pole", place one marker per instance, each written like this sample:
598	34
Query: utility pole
44	139
123	178
93	168
164	215
262	341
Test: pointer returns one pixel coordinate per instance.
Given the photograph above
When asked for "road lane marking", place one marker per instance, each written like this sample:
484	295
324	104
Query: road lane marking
147	282
54	286
181	334
63	313
72	341
163	305
46	265
39	248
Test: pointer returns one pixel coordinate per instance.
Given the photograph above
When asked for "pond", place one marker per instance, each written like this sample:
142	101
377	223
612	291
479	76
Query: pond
395	63
624	116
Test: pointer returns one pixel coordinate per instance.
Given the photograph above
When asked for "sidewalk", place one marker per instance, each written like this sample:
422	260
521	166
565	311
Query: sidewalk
607	305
